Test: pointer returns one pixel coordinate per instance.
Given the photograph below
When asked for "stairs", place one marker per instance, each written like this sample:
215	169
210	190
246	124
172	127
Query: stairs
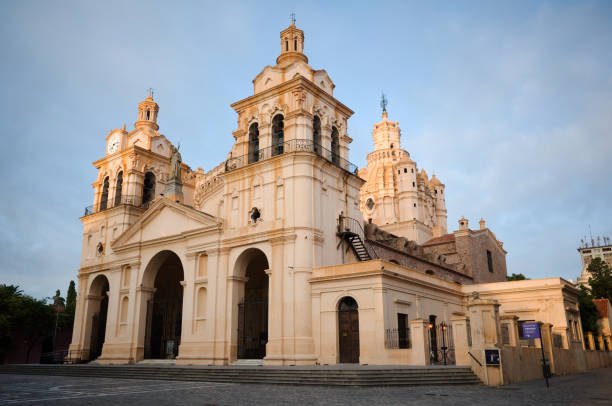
358	246
316	375
249	362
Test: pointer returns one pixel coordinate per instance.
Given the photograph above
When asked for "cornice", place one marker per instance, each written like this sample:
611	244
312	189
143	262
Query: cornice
287	86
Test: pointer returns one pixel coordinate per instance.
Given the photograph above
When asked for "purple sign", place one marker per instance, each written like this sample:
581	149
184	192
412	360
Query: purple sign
531	330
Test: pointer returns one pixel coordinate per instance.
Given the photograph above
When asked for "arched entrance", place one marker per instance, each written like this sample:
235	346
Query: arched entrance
164	309
99	293
348	330
253	308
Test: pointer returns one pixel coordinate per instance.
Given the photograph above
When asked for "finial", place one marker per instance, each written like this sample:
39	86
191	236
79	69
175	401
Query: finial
150	91
383	102
292	15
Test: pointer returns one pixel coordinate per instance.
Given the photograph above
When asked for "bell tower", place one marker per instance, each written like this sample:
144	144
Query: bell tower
147	113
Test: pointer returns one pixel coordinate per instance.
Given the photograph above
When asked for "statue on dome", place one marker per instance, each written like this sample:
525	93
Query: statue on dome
175	164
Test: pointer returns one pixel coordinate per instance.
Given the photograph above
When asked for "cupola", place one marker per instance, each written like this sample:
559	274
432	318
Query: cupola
147	113
292	45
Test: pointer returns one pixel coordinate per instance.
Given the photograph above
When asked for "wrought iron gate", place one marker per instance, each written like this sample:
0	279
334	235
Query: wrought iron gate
441	344
163	328
252	344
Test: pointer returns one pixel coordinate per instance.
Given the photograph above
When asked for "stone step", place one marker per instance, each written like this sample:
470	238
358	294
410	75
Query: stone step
254	362
268	375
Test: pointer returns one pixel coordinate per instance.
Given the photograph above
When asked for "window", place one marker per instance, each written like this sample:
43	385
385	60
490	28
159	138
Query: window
148	114
278	134
411	170
490	261
413	184
148	188
391	146
104	198
316	134
286	45
414	204
505	333
370	203
335	146
405	170
253	143
255	214
403	331
398	171
119	188
295	44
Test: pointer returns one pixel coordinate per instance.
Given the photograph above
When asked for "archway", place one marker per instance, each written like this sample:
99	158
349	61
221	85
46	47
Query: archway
253	308
99	296
164	309
348	330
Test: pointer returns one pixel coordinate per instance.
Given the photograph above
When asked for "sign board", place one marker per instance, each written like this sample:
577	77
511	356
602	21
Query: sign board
531	330
492	357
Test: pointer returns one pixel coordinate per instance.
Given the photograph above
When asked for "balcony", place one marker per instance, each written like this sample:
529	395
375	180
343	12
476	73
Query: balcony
288	147
134	201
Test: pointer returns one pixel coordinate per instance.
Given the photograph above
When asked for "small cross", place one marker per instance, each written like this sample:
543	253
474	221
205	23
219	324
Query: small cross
151	91
292	15
383	102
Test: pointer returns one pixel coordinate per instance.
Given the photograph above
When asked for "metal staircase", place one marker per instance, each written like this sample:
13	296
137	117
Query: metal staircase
351	231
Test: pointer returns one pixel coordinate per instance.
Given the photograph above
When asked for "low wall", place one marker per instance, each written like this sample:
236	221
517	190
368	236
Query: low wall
525	364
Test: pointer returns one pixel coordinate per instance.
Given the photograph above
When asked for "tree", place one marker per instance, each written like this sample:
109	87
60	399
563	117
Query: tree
600	280
516	277
71	302
18	312
588	311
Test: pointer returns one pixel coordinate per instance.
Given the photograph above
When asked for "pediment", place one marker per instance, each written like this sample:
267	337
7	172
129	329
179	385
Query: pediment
165	219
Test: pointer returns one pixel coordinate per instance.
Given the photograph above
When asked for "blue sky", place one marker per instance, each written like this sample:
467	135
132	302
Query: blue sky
509	103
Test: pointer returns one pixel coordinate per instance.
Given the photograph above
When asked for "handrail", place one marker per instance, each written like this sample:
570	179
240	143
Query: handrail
297	145
351	225
135	201
474	358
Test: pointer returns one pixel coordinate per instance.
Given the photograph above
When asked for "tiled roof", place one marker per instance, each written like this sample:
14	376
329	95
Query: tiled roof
444	239
602	306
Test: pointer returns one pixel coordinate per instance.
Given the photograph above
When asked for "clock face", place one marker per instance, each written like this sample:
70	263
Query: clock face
113	144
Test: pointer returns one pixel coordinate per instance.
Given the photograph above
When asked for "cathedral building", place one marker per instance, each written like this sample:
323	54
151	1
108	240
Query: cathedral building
285	253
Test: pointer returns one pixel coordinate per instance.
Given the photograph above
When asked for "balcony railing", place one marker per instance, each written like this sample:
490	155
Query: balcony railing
124	200
287	147
397	338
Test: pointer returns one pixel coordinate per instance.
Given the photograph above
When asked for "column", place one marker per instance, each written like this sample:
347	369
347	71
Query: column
546	331
143	295
276	311
511	321
420	341
590	340
80	321
601	342
484	320
461	340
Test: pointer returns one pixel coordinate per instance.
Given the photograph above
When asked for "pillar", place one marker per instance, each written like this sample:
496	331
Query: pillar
484	320
420	341
590	340
275	345
546	331
461	340
511	322
601	342
143	295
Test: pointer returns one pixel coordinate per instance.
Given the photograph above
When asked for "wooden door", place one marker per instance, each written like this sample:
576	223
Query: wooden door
348	322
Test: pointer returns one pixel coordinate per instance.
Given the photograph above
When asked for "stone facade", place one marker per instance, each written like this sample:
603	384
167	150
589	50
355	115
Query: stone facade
589	251
476	253
396	196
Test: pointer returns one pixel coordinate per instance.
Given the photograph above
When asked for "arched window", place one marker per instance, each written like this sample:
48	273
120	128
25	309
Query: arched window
316	134
286	45
278	134
335	146
253	143
104	198
118	188
295	44
148	114
148	189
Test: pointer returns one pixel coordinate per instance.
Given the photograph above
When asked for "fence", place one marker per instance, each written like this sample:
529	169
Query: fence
287	147
397	338
124	200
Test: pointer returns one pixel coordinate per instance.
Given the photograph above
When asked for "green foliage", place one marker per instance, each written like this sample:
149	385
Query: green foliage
71	300
516	277
588	311
600	280
34	317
